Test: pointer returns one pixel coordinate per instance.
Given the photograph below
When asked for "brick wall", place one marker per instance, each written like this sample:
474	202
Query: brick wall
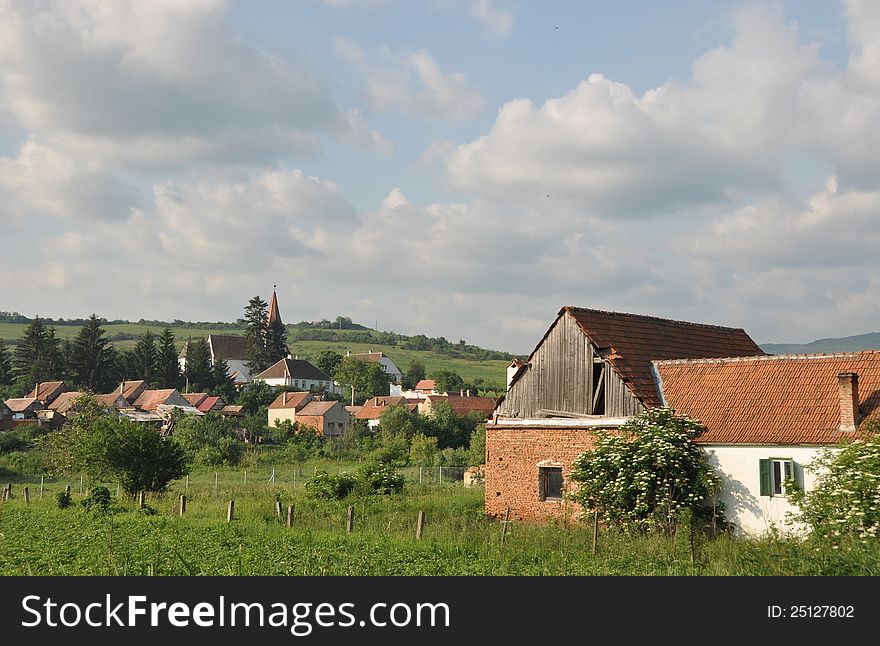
513	457
315	422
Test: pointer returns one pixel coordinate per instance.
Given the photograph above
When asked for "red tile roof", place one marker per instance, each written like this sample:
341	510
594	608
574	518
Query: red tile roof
232	410
113	400
291	400
22	404
315	409
195	398
65	401
47	390
149	399
375	406
465	405
784	399
631	341
426	384
208	403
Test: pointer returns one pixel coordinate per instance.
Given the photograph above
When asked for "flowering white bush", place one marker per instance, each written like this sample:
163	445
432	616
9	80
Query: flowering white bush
647	476
846	498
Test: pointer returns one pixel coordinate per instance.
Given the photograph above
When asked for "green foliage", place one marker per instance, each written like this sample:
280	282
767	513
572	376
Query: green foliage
423	450
197	371
477	446
5	365
330	487
98	501
255	317
168	365
845	501
450	429
379	478
210	440
62	499
447	381
647	475
38	356
368	378
93	360
255	396
413	375
329	361
145	358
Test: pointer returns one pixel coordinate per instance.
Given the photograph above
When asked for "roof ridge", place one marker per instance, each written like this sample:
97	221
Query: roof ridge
771	357
575	308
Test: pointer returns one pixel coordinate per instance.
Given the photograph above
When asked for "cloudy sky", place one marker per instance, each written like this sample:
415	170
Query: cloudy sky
451	167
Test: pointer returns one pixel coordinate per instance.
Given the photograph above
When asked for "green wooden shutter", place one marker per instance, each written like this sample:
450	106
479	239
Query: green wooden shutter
766	481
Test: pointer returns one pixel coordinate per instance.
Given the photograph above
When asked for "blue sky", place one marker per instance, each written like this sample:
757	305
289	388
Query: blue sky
450	167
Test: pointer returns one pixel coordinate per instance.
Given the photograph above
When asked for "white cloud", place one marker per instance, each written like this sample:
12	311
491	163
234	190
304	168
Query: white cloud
137	79
413	82
498	23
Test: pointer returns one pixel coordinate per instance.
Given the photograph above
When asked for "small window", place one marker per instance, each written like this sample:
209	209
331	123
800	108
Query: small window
550	483
775	474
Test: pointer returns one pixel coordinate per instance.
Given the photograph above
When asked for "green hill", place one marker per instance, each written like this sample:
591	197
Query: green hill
869	341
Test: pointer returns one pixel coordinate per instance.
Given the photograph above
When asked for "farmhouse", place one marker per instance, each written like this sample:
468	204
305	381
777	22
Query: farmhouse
767	418
327	418
297	373
285	406
24	409
592	369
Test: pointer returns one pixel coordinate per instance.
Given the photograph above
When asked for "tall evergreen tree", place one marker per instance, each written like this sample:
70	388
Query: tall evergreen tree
5	365
255	316
94	360
168	368
198	365
38	357
56	362
221	380
145	358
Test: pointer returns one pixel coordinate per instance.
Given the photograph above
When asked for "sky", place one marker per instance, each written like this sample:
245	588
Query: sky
457	168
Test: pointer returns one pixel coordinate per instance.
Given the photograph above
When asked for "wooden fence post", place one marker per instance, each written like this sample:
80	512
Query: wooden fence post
41	487
278	508
290	510
230	512
349	524
80	484
67	491
142	499
595	530
182	504
420	525
7	491
27	496
504	526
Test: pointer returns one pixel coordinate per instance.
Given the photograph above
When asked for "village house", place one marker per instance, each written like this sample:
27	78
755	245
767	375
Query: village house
47	391
373	408
592	369
463	404
298	373
232	349
766	420
24	409
285	406
383	360
204	402
327	418
5	417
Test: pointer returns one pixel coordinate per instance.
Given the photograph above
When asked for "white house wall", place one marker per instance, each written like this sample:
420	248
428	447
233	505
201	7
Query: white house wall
738	467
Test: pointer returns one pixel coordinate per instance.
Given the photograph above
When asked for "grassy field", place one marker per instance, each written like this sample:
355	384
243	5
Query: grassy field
41	539
492	371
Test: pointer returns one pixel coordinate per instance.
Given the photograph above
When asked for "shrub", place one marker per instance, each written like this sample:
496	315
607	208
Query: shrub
648	475
845	500
62	499
330	487
378	478
98	501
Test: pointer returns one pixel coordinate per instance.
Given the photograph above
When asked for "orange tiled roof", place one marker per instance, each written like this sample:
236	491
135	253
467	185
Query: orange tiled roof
65	401
113	400
194	399
47	390
426	384
149	399
291	400
784	399
632	341
375	406
316	409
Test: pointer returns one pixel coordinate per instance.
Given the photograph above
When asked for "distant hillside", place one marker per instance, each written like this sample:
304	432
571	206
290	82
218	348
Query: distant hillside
869	341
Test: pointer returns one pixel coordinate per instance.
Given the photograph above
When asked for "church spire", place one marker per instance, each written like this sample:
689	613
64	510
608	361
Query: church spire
274	317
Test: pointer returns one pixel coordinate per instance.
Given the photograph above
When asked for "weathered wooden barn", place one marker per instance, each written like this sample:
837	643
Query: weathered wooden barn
592	369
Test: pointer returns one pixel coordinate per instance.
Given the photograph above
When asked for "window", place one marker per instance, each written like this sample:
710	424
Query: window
550	483
774	473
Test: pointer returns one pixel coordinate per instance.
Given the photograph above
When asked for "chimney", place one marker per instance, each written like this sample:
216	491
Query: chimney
37	391
468	392
461	393
848	390
284	398
122	387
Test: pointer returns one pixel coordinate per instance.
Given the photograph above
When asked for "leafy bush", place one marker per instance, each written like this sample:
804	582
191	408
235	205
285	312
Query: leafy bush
62	499
647	475
330	487
845	500
98	501
209	440
378	478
